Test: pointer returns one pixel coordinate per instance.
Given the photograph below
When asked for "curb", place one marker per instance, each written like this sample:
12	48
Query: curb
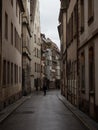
77	116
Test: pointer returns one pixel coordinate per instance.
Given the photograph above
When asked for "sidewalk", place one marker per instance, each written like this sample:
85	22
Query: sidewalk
8	110
86	120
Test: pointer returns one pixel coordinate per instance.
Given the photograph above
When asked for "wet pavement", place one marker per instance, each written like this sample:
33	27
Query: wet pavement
42	113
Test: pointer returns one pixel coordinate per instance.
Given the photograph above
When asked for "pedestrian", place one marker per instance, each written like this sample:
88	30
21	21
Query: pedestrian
48	82
45	86
36	84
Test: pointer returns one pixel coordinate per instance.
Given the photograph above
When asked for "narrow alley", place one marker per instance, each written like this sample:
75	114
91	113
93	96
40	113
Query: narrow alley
50	46
41	112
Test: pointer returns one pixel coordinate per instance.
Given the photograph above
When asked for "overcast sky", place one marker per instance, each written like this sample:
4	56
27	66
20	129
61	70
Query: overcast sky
49	12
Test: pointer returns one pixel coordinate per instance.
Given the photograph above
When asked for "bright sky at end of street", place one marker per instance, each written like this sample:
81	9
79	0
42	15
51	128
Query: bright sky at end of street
49	12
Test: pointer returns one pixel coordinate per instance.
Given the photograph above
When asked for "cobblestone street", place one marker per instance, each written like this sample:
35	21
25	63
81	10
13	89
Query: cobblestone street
42	113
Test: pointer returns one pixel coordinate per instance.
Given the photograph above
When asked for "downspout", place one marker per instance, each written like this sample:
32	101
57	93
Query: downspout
77	56
22	56
1	46
66	56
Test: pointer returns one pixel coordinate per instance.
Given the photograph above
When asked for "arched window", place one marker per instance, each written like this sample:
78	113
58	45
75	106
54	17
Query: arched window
91	68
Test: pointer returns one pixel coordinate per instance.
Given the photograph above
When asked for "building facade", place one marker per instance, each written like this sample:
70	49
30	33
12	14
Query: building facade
10	51
51	59
58	70
88	55
71	43
80	53
48	64
62	35
35	46
55	61
26	49
44	57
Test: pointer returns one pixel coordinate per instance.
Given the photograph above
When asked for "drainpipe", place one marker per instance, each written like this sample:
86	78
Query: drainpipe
66	56
1	67
22	56
77	56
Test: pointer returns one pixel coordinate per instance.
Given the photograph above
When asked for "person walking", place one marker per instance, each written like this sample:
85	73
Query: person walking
45	86
36	84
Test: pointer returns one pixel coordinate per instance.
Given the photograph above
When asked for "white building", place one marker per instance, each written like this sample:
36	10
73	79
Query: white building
48	64
35	45
58	68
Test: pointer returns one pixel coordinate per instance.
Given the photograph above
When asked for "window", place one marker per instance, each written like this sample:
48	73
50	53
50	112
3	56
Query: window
39	53
11	73
69	31
82	71
35	67
20	74
34	38
19	17
91	68
75	21
82	16
38	40
15	36
68	35
4	72
15	74
12	2
35	51
11	33
90	11
6	25
8	72
17	41
16	8
71	27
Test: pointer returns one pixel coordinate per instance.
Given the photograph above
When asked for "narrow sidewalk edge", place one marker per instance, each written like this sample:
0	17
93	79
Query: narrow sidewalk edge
4	114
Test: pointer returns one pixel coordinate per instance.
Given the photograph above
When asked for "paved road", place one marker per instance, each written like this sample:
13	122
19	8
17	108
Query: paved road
42	113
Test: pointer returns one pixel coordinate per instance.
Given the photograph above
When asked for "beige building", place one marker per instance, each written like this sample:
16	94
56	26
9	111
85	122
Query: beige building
68	35
72	87
79	53
35	46
10	51
88	56
26	49
62	35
